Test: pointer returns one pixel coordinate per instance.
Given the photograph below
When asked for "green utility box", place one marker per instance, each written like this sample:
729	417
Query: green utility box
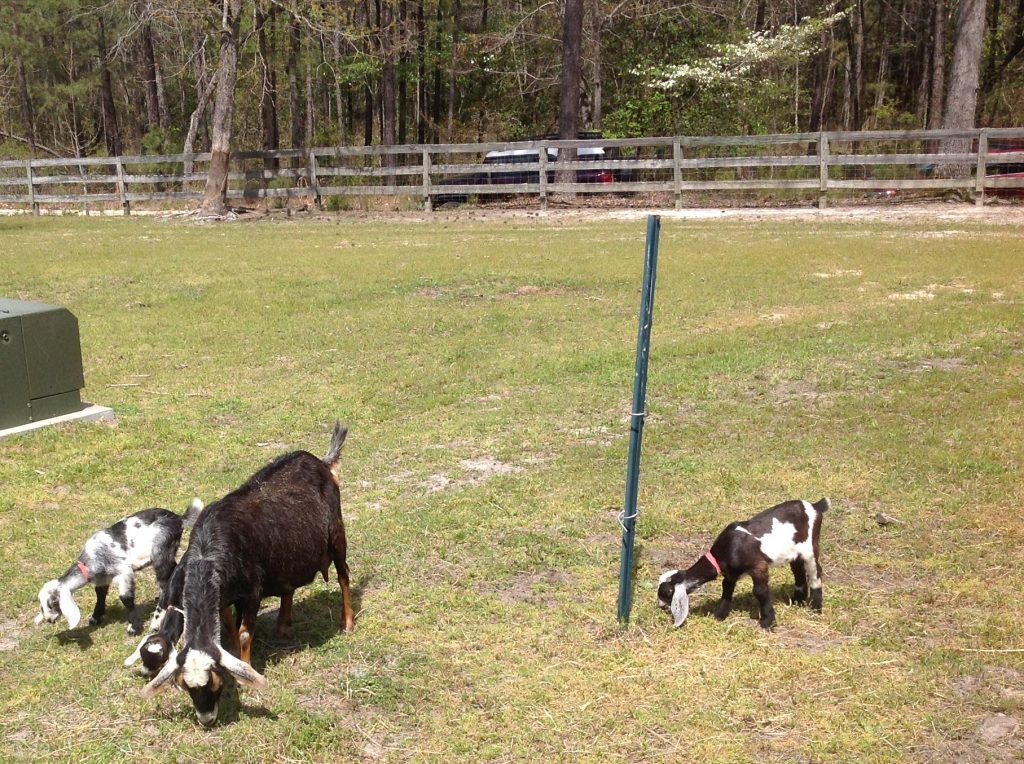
40	362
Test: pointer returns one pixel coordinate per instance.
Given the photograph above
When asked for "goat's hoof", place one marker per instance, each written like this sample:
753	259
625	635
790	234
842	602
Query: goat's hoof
766	623
94	621
133	631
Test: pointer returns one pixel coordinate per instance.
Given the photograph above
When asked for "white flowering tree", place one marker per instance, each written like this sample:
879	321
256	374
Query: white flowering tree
741	75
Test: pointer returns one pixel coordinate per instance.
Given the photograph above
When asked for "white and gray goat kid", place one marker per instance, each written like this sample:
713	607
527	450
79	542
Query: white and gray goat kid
112	556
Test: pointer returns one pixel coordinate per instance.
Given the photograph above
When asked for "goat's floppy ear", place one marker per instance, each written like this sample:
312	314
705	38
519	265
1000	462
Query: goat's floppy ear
243	672
163	679
680	604
68	608
137	655
134	657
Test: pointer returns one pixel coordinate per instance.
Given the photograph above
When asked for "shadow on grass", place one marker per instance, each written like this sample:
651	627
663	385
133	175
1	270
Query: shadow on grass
316	619
81	637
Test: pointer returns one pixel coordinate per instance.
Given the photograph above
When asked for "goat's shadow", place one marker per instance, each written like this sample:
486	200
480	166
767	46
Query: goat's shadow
745	602
316	619
80	637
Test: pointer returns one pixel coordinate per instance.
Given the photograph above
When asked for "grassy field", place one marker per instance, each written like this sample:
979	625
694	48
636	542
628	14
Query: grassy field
484	368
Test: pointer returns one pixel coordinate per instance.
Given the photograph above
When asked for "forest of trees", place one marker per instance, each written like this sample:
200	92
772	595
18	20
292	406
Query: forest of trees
88	77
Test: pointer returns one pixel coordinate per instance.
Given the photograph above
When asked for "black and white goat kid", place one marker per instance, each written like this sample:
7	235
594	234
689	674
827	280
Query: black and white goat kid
273	534
112	556
786	533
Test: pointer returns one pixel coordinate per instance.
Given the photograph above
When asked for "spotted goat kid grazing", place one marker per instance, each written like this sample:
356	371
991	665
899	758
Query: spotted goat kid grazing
788	532
268	537
112	556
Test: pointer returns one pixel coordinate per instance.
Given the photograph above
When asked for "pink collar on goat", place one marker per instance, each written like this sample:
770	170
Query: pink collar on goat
85	570
714	562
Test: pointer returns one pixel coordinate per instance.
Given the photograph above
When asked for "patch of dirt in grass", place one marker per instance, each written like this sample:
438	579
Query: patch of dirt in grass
11	633
598	436
942	364
345	712
812	638
433	293
325	702
837	274
528	290
996	739
477	470
795	390
915	296
996	683
534	588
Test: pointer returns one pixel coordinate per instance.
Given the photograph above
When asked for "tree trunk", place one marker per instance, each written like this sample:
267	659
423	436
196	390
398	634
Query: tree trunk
339	99
822	67
195	120
389	82
759	16
403	67
310	124
215	196
855	25
964	76
163	111
421	75
25	102
149	72
569	91
596	83
454	79
268	89
111	134
294	99
937	100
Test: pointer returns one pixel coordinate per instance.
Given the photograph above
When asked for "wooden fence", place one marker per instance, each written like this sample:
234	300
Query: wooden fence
815	166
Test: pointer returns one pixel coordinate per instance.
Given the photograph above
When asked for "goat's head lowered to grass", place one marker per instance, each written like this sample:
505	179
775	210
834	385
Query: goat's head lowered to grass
55	601
200	668
202	674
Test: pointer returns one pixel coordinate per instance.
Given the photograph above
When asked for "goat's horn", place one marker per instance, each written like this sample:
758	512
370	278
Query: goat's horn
243	672
161	680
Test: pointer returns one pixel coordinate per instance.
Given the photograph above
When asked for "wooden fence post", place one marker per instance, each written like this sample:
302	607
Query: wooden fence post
822	170
314	182
979	173
121	189
31	187
427	204
542	156
677	172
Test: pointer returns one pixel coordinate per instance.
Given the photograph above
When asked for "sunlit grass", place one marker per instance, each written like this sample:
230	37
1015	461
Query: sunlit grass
484	369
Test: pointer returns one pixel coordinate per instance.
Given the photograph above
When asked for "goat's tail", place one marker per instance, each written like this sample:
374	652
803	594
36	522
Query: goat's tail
192	513
822	504
334	452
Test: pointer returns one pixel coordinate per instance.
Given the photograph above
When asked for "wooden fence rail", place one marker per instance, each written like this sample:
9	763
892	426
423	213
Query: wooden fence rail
822	165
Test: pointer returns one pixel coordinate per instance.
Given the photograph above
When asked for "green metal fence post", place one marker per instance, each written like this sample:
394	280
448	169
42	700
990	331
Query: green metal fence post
636	429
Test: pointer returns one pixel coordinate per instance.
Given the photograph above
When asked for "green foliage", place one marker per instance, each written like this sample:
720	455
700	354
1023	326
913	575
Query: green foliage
160	141
500	63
